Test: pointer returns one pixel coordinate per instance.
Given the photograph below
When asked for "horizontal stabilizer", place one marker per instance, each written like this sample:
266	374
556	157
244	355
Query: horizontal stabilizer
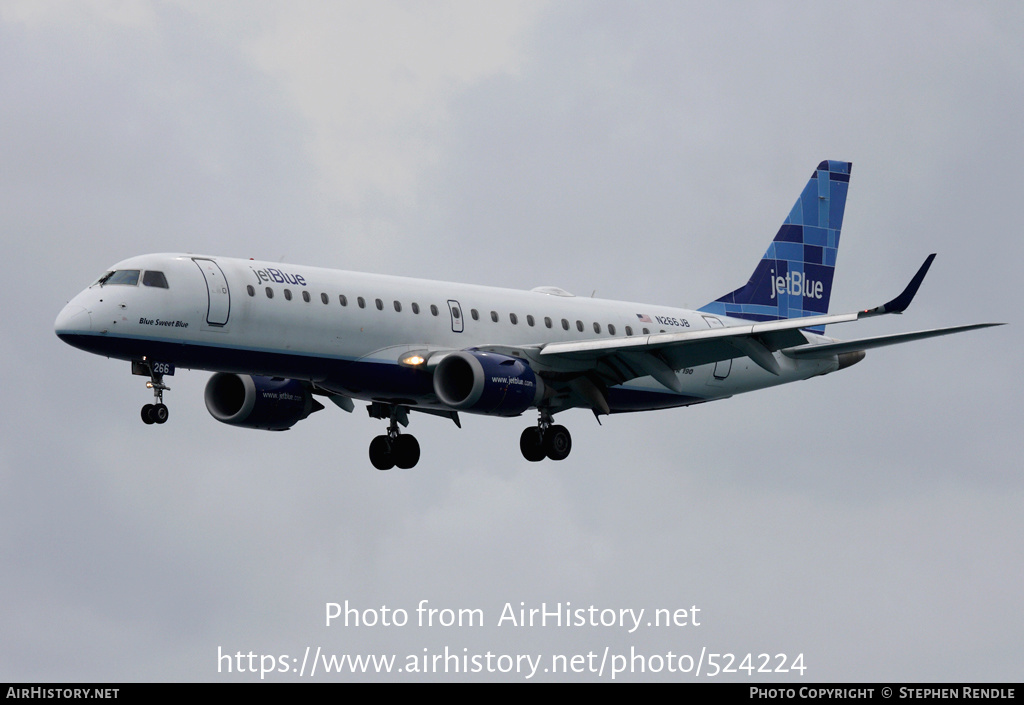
830	349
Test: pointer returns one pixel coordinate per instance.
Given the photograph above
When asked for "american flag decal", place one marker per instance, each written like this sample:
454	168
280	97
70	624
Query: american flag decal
644	318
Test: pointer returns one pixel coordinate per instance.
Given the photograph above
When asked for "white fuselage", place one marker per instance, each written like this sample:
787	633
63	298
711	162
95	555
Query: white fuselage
346	331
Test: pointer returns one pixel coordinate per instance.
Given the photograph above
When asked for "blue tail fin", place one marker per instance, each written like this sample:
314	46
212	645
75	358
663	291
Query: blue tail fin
794	278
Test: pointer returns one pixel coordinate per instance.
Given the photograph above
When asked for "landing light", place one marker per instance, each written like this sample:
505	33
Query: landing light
413	360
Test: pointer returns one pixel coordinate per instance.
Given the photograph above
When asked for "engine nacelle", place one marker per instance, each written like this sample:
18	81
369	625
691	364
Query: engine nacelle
487	383
258	402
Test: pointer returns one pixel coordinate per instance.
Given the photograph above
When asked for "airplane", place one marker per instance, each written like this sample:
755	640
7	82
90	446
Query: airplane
277	336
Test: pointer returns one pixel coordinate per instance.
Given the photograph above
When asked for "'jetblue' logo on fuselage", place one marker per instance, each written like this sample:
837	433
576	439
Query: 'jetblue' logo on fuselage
796	284
276	275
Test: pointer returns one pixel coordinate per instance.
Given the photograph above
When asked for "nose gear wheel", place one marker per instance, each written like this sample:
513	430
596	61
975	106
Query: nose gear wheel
154	413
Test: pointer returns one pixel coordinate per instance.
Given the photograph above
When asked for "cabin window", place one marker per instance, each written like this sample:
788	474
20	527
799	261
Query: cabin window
305	296
456	313
288	294
433	310
398	307
153	278
380	304
565	324
579	326
611	329
494	316
514	318
475	314
415	308
361	301
547	321
647	331
597	327
629	330
249	288
324	298
270	293
529	319
342	299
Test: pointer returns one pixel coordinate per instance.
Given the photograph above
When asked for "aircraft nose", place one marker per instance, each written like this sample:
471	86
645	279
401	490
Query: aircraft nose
72	319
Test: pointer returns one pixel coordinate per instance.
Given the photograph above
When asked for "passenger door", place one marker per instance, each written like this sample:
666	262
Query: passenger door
219	307
457	316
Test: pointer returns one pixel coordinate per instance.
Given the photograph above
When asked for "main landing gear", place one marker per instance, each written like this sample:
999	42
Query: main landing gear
154	413
393	449
545	440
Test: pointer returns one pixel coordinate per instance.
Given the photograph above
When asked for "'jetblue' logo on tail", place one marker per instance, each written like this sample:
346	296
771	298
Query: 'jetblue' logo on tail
796	284
794	277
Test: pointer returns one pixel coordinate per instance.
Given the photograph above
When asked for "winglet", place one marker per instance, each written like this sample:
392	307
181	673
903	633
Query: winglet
900	303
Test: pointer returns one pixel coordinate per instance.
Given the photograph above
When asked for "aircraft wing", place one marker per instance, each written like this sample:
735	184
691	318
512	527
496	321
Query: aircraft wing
617	360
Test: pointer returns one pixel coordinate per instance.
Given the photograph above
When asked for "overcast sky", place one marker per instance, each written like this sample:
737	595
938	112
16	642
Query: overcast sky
870	520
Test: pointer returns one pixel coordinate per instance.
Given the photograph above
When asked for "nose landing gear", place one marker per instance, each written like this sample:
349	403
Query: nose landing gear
154	413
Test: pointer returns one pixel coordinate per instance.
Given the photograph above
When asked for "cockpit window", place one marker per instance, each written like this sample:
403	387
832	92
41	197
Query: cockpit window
127	277
154	278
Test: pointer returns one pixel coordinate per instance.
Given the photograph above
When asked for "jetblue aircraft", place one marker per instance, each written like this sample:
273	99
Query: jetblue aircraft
279	336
